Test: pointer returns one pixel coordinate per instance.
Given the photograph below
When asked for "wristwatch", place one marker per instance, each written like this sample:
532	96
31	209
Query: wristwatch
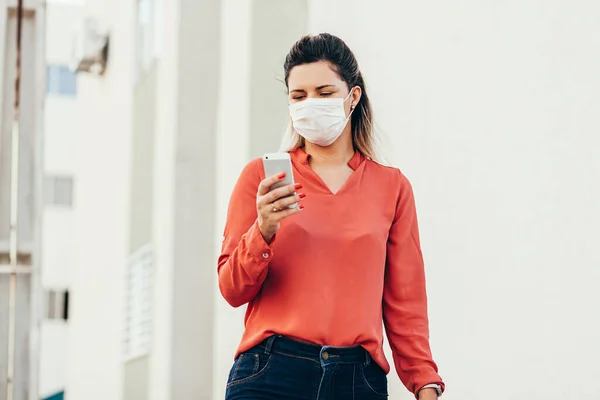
436	386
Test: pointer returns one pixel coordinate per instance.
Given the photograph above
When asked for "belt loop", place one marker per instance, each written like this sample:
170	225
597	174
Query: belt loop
269	345
367	358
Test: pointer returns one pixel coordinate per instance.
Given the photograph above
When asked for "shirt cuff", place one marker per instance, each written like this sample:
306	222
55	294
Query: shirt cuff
258	250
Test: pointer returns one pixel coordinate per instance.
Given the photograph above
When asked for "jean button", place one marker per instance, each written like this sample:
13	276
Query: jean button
325	355
265	255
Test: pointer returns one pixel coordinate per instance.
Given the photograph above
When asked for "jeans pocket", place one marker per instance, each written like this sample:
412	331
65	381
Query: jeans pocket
248	367
375	379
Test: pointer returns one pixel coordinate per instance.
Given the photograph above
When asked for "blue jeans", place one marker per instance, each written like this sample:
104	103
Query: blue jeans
284	369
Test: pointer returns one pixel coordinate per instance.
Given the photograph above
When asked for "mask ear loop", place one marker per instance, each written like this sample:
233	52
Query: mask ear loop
352	106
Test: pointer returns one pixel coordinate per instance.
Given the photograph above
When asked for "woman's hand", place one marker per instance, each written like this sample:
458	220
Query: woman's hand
272	205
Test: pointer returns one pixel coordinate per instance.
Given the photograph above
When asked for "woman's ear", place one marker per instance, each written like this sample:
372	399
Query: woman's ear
356	95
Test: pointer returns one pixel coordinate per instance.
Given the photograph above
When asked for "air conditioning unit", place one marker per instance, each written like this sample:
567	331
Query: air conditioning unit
90	47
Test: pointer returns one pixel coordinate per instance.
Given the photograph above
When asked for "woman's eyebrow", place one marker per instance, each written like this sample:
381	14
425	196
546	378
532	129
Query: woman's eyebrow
318	88
325	86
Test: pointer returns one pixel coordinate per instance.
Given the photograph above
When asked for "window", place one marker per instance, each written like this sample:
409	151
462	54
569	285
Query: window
60	80
138	303
59	191
57	304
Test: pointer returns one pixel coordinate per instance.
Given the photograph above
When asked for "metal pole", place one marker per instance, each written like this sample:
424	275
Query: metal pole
36	283
14	209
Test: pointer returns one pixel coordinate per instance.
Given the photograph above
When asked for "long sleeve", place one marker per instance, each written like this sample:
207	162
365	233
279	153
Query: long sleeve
405	298
245	256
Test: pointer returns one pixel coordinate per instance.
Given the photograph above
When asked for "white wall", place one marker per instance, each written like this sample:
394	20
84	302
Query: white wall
101	213
61	18
61	129
492	109
163	208
53	367
234	98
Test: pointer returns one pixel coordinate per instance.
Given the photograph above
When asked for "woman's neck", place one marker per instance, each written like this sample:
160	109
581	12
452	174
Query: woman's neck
338	153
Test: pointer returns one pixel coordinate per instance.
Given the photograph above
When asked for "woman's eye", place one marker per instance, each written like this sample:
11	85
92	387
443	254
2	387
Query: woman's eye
326	94
297	97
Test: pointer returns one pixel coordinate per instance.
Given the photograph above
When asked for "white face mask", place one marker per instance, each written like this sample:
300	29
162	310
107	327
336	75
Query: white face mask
320	121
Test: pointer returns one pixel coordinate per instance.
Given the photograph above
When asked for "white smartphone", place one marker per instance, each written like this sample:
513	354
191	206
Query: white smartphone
277	163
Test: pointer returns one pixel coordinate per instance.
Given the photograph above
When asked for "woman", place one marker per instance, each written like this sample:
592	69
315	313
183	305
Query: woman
320	278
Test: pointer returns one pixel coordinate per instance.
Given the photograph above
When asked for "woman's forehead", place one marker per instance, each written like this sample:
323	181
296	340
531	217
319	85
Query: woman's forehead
313	75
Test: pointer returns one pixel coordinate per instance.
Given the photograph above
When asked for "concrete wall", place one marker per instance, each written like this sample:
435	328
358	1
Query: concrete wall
137	371
180	362
95	368
135	379
234	99
144	112
6	101
276	25
195	163
491	109
62	129
53	357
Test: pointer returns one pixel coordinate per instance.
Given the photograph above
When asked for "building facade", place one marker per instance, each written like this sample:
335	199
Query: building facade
154	160
61	131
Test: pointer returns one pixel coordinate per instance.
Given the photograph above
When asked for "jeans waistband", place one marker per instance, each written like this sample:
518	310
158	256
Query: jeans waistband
323	354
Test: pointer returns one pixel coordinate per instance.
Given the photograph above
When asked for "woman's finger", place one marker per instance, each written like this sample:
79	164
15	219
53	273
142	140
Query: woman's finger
265	184
286	212
286	201
278	193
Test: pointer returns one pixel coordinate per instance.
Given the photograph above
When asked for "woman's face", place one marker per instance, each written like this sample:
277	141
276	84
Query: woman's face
319	80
